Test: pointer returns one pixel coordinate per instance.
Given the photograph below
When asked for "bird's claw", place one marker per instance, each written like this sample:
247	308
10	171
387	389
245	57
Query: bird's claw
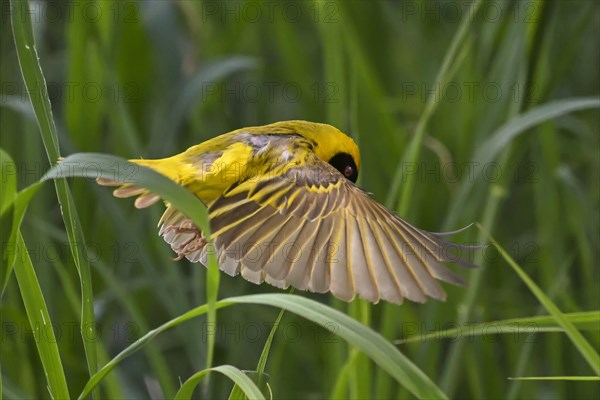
195	243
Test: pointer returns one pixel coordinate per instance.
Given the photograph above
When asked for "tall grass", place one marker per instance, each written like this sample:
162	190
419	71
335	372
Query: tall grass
490	117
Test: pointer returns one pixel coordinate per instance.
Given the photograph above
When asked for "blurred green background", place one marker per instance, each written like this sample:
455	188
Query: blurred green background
150	78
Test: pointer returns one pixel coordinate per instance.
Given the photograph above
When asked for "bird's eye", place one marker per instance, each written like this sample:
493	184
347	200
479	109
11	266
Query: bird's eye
348	171
344	163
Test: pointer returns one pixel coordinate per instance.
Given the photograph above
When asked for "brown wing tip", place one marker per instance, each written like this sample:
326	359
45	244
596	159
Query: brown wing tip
446	275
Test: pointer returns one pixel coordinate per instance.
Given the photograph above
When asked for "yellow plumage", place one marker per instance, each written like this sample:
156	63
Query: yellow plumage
284	209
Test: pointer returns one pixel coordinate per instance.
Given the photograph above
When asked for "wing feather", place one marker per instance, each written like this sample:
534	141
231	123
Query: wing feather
253	276
292	269
417	265
398	267
362	272
320	276
387	286
239	238
342	286
283	249
429	255
234	219
412	259
301	269
270	234
416	242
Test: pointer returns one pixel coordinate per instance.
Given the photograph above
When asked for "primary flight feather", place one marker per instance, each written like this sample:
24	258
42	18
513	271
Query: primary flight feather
284	209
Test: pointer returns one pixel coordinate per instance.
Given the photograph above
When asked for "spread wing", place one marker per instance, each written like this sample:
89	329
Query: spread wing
311	228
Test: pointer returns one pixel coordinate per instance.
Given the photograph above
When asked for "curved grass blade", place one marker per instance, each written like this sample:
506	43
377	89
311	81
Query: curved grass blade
236	393
14	254
262	362
188	92
498	141
96	165
240	379
138	344
18	105
8	171
375	346
340	388
13	221
588	320
584	347
503	136
40	322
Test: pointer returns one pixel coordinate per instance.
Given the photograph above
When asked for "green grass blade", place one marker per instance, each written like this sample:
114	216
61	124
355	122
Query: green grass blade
13	221
236	392
377	348
264	355
355	373
213	277
584	347
83	64
238	377
498	141
588	320
77	244
340	388
556	378
189	92
488	151
32	74
18	105
138	344
414	149
34	80
40	322
155	358
8	171
112	386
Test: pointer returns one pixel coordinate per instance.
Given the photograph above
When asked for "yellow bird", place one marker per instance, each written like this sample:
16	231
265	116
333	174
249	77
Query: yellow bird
284	209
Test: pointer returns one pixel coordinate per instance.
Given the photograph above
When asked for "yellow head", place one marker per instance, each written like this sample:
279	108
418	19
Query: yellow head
330	143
